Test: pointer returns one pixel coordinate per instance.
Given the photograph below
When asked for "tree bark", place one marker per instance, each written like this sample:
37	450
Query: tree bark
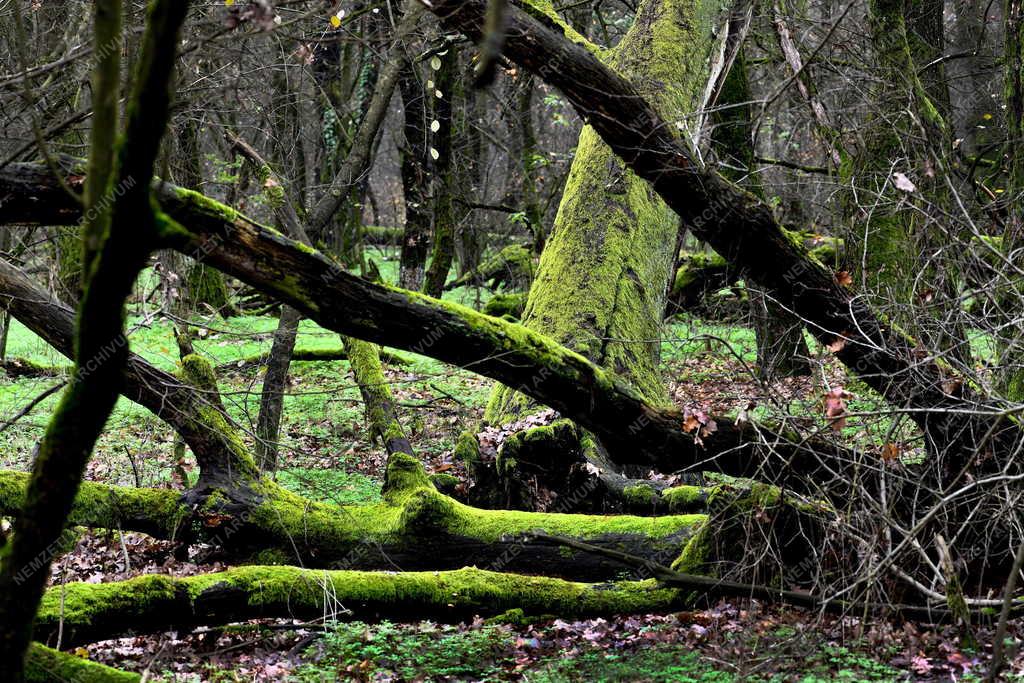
442	252
274	383
416	234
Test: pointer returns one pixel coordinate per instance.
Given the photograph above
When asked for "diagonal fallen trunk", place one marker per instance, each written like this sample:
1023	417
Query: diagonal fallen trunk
634	430
205	428
961	425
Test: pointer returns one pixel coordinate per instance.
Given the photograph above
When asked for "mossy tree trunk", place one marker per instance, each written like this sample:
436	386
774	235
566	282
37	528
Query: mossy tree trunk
125	240
381	414
151	603
605	271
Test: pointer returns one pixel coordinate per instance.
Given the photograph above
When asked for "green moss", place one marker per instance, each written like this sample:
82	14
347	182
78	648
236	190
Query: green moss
696	553
684	498
209	206
511	305
45	665
512	617
364	359
271	556
205	287
404	475
294	591
545	11
639	495
81	605
445	483
99	505
467	448
198	372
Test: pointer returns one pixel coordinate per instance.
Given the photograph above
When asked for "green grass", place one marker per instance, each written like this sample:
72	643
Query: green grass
424	651
331	486
671	664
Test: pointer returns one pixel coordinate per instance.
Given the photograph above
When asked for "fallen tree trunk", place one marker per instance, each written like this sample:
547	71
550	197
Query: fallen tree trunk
17	368
391	535
634	431
89	612
301	355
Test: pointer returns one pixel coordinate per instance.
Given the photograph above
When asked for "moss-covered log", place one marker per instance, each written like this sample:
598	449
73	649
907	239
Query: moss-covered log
16	368
511	268
509	306
415	527
153	603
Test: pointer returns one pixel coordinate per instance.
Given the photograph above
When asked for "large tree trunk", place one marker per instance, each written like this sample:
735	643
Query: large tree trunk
605	272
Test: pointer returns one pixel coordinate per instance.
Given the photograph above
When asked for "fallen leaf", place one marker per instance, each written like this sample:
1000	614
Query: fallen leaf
902	182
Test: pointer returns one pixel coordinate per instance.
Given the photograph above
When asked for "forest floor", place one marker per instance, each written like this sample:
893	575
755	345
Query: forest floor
327	456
